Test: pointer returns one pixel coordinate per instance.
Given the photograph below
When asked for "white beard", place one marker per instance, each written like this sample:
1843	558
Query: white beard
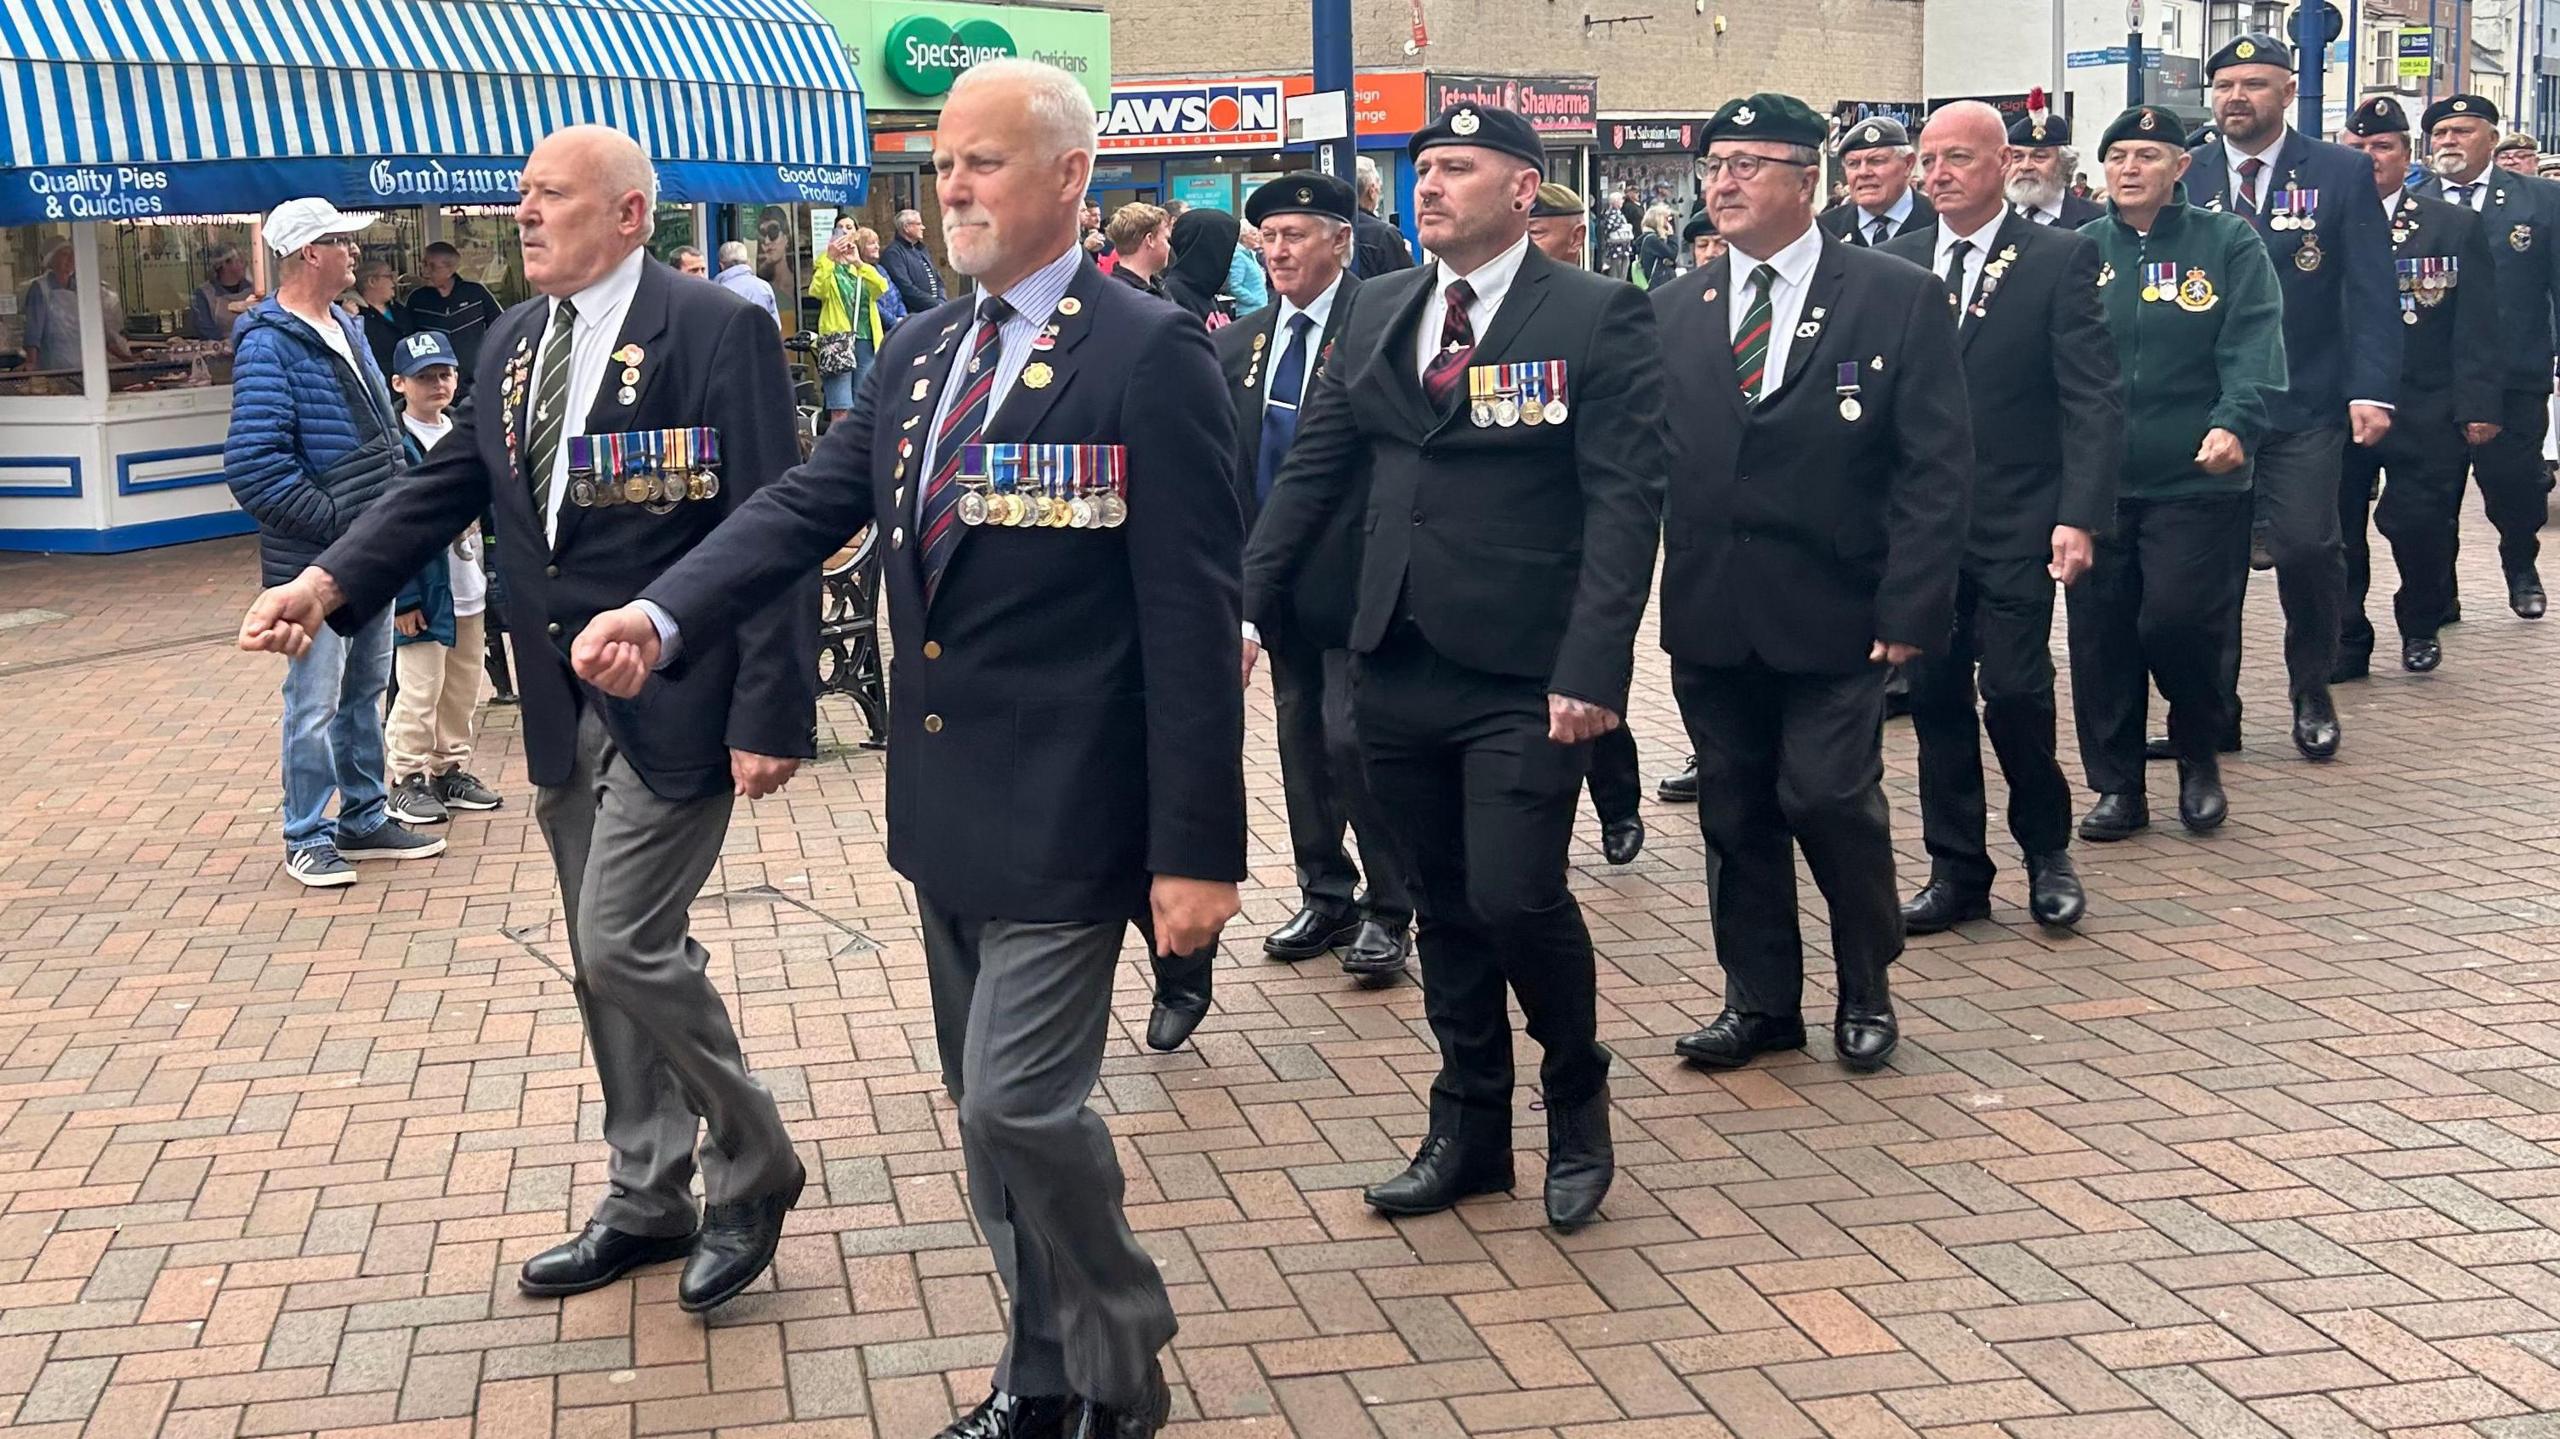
2033	192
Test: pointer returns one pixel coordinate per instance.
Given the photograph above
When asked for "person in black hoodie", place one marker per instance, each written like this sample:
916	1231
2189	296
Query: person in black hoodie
1204	241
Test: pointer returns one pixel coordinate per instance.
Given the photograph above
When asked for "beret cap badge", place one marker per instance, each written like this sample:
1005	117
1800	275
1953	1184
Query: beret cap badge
1464	122
2244	49
1744	116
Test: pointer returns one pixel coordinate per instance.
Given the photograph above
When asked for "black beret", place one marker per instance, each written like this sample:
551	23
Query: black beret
2459	107
1766	116
1881	132
2051	130
2251	49
1483	126
2381	115
2145	122
1300	192
1701	225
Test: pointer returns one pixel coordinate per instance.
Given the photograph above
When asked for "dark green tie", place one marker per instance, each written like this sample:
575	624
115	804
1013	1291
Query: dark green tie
550	407
1751	342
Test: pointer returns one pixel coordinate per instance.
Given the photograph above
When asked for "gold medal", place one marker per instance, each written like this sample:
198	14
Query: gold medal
2150	292
1532	413
1037	374
639	490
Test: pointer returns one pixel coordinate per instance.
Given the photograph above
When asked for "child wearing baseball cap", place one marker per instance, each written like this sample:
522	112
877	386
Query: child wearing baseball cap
437	621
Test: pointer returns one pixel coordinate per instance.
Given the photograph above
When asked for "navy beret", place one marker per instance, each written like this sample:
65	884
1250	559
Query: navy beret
2251	49
2381	115
1300	192
2460	107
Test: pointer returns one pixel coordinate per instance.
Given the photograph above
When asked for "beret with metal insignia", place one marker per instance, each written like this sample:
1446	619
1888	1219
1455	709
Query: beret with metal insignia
1557	202
2036	132
2145	122
1766	116
1699	227
1485	127
2381	115
2254	48
1881	132
1300	192
2459	107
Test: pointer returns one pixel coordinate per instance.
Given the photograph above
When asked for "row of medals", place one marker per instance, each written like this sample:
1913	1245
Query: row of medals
1104	510
1505	408
2426	288
681	474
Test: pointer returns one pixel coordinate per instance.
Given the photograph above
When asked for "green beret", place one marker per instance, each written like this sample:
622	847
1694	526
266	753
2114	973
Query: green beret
2145	122
1766	116
1557	202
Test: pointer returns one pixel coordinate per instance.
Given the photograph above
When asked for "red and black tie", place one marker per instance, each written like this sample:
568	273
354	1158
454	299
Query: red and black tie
1448	367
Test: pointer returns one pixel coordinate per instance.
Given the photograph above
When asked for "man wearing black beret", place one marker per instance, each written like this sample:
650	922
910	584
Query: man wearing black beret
1820	453
2042	166
1271	358
2332	252
1877	161
2522	219
2449	391
1505	412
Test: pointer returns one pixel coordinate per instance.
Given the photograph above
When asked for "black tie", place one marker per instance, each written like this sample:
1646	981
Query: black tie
2462	195
1883	228
550	407
1955	272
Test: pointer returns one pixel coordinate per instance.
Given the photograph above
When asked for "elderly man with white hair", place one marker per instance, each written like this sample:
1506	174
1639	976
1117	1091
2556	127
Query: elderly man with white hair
620	414
1878	162
2042	165
909	265
737	275
1066	729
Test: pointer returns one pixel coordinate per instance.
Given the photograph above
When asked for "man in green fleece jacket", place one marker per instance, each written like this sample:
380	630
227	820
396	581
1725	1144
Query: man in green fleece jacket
2199	329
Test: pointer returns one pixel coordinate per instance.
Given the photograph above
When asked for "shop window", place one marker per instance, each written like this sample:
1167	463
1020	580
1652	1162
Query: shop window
492	251
675	231
185	284
40	342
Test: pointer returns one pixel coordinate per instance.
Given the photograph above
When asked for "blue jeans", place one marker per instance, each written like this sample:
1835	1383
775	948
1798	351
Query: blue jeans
333	734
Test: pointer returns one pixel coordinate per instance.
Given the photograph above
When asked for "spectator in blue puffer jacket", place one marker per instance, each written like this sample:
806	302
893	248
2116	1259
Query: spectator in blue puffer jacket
312	442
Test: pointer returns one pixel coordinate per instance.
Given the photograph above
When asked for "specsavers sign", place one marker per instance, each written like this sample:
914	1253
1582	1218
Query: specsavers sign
907	53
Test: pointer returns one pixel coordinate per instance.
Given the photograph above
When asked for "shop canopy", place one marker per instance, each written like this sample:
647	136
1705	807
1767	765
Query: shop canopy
125	109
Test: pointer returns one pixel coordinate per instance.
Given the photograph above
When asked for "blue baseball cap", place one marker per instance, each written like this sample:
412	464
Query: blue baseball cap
423	351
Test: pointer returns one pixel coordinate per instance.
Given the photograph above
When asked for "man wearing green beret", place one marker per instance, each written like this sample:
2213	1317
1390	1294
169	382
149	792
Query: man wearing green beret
2199	329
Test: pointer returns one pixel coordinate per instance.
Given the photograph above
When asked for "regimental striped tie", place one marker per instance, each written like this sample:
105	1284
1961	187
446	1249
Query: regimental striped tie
1751	342
938	515
550	408
1457	346
2247	202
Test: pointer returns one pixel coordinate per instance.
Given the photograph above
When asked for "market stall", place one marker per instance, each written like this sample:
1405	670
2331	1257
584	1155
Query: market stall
140	145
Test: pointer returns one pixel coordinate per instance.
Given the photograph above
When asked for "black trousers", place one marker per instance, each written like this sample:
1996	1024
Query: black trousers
2004	630
2296	507
1617	785
2162	599
2509	472
2420	512
1788	760
1483	804
1326	788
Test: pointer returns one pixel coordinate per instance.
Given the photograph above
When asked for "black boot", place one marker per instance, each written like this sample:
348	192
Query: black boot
1941	905
1580	1162
1182	998
2054	895
1681	788
2116	816
2201	806
1443	1171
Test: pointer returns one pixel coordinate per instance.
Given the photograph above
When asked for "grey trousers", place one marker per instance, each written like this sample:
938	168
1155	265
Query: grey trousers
630	864
1021	1011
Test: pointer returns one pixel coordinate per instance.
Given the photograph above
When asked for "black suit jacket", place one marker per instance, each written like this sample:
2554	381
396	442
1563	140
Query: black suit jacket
2342	315
1792	532
1329	584
1064	720
2041	384
2452	364
1523	551
1846	221
710	359
2076	212
1378	248
2521	218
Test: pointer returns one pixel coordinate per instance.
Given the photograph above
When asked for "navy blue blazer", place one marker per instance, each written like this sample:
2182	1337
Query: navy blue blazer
2341	296
2522	218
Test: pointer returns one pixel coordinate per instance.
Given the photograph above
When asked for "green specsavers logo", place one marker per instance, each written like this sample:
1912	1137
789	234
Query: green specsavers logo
926	55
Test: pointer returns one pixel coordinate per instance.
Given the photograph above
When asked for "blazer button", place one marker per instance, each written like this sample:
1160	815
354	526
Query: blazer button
933	649
551	572
933	724
1417	519
554	627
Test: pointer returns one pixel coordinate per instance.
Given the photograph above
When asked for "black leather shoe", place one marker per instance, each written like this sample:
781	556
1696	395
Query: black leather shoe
1865	1036
1622	840
1941	906
1733	1039
1013	1416
597	1257
1681	788
736	1244
1310	932
2201	805
2115	817
1581	1162
2351	667
1182	998
1442	1173
2315	727
2420	656
1093	1419
2054	895
1379	956
2524	594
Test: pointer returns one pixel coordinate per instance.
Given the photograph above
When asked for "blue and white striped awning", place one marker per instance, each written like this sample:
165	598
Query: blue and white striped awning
121	108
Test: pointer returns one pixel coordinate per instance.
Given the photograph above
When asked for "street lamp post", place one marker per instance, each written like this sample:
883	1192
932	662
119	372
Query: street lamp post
2133	53
1333	72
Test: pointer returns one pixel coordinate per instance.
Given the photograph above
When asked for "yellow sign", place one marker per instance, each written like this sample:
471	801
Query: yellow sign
2417	51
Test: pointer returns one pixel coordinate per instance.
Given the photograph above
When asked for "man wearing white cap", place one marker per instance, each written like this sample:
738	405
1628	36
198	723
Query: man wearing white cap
313	441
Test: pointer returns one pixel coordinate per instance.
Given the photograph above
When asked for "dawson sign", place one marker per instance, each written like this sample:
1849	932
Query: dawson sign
1194	115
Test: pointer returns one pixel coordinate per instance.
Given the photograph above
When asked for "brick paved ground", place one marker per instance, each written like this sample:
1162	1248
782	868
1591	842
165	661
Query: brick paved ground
2271	1148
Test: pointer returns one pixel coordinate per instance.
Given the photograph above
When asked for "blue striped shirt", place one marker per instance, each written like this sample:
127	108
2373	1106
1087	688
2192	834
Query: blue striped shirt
1034	298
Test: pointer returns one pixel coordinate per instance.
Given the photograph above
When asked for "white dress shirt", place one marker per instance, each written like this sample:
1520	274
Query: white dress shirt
1320	312
2043	214
1490	281
601	307
1973	261
1786	302
1899	212
2478	199
2267	178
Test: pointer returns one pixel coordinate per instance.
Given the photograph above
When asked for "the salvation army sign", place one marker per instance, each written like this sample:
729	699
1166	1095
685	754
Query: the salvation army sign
1645	136
1557	107
1193	115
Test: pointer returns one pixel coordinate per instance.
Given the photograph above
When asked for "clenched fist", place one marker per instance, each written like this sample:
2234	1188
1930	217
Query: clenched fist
616	651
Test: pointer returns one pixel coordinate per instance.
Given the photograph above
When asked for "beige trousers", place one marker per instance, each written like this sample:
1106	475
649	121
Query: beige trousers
429	731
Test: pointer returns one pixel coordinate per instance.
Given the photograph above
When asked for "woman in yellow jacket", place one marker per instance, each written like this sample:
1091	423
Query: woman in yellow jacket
847	289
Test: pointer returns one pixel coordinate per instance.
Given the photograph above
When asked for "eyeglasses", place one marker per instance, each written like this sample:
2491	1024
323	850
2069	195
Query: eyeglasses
1744	168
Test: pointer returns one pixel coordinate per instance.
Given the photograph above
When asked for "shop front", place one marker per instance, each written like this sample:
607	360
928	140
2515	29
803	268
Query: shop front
133	178
1210	143
1653	158
1564	109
